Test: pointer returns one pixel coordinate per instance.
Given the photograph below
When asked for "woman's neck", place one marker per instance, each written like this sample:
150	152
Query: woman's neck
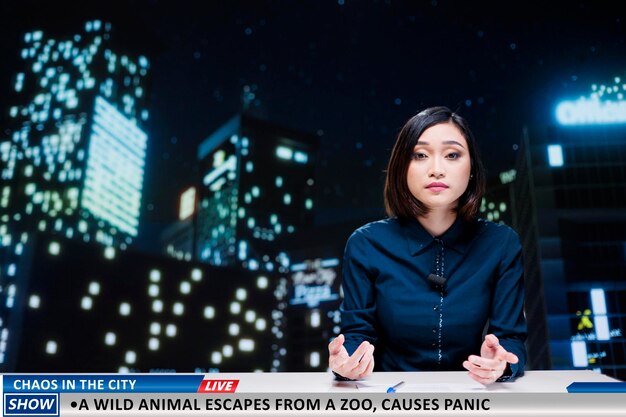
436	222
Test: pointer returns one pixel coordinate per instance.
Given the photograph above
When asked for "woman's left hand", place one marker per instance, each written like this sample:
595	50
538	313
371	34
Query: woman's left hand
491	363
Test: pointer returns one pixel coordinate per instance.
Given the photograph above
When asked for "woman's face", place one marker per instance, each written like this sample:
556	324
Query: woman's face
440	167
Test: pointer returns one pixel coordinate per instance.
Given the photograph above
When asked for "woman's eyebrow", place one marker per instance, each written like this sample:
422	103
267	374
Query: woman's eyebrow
445	142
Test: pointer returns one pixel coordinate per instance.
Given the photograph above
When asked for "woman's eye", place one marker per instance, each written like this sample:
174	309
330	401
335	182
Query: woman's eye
418	155
453	155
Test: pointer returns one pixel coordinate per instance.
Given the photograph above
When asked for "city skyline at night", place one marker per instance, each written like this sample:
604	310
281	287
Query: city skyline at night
349	72
254	136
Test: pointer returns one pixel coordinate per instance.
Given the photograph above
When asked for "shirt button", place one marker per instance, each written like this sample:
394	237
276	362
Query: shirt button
435	307
433	344
434	330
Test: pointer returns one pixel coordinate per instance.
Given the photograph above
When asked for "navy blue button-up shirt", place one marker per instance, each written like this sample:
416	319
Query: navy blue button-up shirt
417	325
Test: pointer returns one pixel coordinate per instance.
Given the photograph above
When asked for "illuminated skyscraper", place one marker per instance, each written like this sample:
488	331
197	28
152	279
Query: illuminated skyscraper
571	210
257	186
74	161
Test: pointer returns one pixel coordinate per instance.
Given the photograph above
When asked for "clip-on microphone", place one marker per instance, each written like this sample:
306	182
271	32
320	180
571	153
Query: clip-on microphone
437	281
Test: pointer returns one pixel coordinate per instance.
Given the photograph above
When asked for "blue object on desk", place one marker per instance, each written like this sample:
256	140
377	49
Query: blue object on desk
395	387
596	387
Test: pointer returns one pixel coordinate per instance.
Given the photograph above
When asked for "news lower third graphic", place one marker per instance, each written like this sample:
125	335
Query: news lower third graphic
202	394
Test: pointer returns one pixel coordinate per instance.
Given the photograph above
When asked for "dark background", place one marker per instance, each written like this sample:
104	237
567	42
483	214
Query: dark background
350	72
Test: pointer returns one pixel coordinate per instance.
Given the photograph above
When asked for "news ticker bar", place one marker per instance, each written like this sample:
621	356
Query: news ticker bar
346	404
178	383
201	394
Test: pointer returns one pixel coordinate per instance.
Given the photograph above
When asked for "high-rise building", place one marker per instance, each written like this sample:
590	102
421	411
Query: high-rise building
571	210
74	161
257	186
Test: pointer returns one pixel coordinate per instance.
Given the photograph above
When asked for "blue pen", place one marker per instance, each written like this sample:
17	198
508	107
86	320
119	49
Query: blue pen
395	387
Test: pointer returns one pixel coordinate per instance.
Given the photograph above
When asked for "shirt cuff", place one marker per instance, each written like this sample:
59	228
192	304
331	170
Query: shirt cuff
341	378
510	373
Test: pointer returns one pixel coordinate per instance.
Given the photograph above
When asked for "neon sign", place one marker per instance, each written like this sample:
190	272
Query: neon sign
605	105
591	112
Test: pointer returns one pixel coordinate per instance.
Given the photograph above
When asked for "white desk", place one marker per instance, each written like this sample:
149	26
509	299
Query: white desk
318	382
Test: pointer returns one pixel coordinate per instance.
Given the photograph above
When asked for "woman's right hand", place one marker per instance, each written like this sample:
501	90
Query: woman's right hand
357	366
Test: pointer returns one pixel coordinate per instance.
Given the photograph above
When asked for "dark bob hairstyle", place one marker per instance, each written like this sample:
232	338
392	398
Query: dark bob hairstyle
399	202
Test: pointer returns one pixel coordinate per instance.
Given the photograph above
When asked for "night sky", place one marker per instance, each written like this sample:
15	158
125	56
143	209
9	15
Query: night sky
350	72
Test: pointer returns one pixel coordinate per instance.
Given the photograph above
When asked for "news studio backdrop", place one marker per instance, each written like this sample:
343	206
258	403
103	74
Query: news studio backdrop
246	279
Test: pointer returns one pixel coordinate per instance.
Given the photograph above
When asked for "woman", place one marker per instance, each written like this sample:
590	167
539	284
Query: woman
422	286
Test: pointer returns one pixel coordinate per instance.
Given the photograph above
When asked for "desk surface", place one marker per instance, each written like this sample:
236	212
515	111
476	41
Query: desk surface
286	382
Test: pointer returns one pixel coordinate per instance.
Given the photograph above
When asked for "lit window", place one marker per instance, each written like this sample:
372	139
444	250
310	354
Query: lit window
130	357
196	274
262	282
315	318
94	288
124	309
185	287
314	359
555	155
155	328
260	324
216	358
300	157
54	248
246	345
109	252
153	343
241	294
86	303
250	316
153	290
187	203
227	351
178	309
233	329
235	307
157	306
155	275
209	312
34	301
51	347
284	152
170	330
579	353
109	338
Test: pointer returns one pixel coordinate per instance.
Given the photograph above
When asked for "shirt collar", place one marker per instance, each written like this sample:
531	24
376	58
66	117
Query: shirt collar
457	237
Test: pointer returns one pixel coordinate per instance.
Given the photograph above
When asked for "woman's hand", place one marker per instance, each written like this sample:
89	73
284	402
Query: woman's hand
491	363
357	366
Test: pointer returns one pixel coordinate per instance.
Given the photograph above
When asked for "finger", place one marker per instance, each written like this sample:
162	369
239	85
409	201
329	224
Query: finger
484	381
346	363
360	352
479	371
504	355
369	370
338	360
486	363
363	364
511	358
335	346
492	341
488	369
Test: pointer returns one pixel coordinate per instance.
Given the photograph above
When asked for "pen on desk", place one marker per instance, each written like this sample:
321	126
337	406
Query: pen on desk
395	387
